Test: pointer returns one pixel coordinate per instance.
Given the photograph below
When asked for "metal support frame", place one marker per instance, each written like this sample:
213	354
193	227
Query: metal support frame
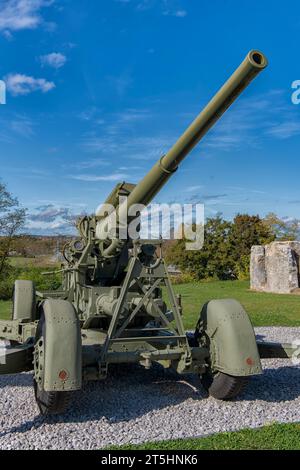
157	273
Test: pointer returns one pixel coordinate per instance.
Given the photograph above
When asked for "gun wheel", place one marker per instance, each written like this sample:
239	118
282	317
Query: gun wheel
223	386
49	403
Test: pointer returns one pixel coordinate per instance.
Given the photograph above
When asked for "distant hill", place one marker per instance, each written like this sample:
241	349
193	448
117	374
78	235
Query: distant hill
30	246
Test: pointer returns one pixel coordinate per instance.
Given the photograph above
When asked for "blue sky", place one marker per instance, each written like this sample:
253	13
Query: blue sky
98	90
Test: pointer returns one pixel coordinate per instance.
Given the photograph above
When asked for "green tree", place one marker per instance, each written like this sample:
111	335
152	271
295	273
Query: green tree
282	229
226	250
214	260
246	231
12	218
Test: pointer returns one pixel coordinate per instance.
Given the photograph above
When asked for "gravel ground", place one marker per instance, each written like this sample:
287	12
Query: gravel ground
134	405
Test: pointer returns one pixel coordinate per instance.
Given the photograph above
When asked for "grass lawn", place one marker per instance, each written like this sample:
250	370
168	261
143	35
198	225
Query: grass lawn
263	309
273	437
21	262
40	261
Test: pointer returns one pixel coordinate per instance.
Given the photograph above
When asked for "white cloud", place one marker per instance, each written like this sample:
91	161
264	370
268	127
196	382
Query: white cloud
94	163
180	13
88	114
55	60
167	7
191	189
19	84
177	13
51	217
251	120
121	83
144	5
16	125
285	130
137	148
131	115
22	126
7	34
21	14
114	177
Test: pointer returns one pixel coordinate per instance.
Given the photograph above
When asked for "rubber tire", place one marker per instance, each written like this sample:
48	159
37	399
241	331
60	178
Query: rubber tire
223	386
49	403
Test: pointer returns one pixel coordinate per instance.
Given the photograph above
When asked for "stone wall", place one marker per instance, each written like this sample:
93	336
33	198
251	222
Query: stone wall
275	267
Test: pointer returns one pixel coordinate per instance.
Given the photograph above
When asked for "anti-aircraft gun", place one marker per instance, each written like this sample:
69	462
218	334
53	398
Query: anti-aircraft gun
111	309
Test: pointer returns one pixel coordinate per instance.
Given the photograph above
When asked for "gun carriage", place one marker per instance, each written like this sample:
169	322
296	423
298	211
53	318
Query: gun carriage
110	308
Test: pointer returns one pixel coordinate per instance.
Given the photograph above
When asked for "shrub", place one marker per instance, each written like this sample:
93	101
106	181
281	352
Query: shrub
50	282
6	288
42	282
243	268
183	278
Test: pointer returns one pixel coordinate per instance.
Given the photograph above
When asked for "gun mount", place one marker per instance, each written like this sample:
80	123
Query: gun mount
117	304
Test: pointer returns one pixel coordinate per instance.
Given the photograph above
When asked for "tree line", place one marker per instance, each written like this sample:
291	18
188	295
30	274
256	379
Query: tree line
12	219
227	245
225	254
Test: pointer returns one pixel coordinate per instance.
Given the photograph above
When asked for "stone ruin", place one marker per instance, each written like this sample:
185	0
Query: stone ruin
275	267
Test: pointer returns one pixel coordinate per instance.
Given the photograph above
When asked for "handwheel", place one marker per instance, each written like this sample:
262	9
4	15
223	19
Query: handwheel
49	403
223	386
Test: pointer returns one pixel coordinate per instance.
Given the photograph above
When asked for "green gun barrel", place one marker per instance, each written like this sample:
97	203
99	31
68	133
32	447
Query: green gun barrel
155	179
144	192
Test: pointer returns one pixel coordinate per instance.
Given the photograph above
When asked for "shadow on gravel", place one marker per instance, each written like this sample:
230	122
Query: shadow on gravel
131	392
260	337
275	385
16	380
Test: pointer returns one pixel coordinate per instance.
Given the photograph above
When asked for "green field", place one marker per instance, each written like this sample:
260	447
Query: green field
264	309
20	261
275	437
40	261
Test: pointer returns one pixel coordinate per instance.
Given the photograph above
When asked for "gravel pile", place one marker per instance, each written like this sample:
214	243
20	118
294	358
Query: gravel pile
134	405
